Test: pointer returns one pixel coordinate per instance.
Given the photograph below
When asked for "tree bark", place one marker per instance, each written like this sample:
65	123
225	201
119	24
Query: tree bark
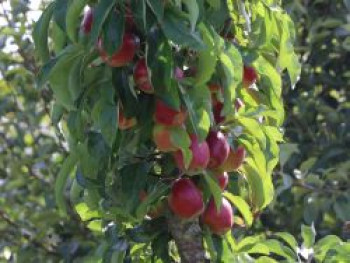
188	238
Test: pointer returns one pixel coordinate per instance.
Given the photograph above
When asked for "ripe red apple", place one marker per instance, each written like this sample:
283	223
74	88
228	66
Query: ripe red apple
125	123
200	155
234	160
124	54
218	222
185	199
86	24
218	147
168	116
141	77
249	76
222	179
162	138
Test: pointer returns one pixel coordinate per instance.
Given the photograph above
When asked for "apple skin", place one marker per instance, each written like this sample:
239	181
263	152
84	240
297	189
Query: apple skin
124	54
219	149
222	179
218	222
125	123
167	116
234	160
185	199
162	138
249	76
141	77
86	24
200	155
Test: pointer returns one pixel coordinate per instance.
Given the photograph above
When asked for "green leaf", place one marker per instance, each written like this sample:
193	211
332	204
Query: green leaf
74	11
66	169
277	248
287	58
214	3
207	58
113	31
288	238
324	245
133	180
232	65
86	213
193	9
210	244
242	207
214	189
104	113
102	10
198	103
175	29
40	33
181	139
75	79
308	234
158	8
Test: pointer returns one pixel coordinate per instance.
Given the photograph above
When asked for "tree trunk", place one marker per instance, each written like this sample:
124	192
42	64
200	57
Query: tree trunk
188	238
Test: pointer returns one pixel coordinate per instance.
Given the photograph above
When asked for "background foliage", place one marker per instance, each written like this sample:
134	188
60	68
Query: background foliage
312	179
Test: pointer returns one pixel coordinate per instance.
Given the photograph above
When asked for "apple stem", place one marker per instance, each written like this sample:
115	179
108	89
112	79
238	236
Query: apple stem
188	238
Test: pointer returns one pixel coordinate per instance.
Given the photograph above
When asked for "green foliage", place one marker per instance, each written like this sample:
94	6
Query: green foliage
98	183
314	170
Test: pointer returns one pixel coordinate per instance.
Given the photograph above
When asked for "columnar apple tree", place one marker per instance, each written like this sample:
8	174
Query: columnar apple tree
172	114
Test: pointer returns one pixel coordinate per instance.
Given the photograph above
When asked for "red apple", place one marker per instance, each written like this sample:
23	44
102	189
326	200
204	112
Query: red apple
200	155
162	138
214	88
234	160
185	199
141	77
222	179
125	123
218	147
124	54
249	76
168	116
86	24
218	222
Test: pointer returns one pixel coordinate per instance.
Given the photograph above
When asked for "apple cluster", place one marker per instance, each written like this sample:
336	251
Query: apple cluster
214	154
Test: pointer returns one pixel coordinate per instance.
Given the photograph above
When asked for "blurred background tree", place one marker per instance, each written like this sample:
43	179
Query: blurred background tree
312	180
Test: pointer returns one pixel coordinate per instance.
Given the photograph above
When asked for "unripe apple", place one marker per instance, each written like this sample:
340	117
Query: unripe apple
222	179
200	155
185	199
86	24
162	138
219	148
249	76
218	222
168	116
141	77
124	54
125	123
234	160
